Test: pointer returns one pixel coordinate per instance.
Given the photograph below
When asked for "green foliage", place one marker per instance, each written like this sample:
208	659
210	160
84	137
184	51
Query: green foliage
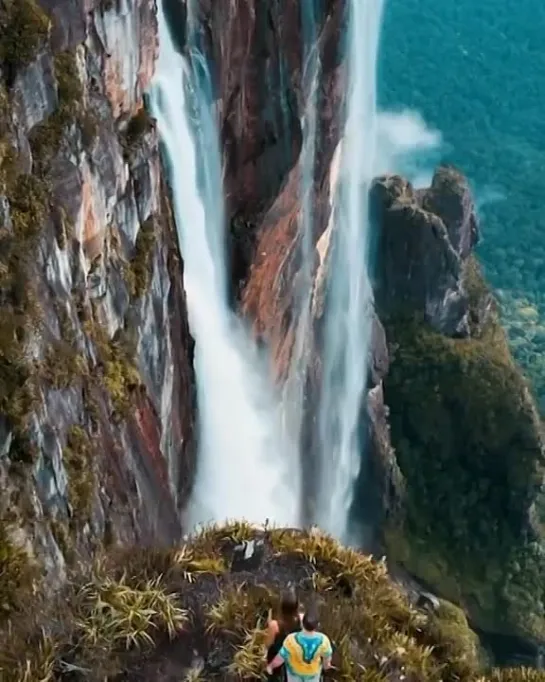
81	472
137	127
29	202
7	161
458	643
120	376
18	573
63	365
70	90
64	539
470	446
94	623
139	272
24	28
21	317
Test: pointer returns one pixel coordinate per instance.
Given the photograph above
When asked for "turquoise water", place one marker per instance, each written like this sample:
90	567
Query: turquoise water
475	71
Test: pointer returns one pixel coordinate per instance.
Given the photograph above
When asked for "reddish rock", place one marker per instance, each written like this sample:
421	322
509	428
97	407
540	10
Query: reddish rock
258	48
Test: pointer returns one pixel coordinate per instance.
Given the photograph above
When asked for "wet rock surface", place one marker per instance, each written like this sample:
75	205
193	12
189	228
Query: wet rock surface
98	442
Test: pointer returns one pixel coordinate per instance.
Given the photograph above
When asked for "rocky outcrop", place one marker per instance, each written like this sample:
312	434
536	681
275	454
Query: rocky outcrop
425	239
95	354
465	430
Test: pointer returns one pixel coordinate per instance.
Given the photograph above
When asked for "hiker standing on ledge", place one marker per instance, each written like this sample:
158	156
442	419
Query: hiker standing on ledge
305	653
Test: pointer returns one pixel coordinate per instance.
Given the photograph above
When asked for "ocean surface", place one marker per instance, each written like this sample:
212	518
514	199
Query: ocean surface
463	82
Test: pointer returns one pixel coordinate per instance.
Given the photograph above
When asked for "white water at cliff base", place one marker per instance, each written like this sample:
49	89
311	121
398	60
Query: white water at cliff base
350	297
243	463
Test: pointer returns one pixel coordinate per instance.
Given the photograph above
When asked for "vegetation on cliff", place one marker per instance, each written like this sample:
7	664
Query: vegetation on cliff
469	443
24	27
197	613
138	274
46	138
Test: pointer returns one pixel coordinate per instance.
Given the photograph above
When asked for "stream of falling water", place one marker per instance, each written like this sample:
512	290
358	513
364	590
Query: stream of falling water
349	306
243	463
294	388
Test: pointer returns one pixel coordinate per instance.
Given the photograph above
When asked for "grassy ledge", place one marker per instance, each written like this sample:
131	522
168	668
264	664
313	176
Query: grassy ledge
141	609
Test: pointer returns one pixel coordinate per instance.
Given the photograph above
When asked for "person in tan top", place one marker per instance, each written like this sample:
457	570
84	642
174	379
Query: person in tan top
287	621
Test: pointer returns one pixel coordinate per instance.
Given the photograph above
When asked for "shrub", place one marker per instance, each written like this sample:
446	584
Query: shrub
24	28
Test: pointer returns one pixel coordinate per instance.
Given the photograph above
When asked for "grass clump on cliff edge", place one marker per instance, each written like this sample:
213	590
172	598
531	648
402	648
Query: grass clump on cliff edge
138	275
24	27
141	611
470	446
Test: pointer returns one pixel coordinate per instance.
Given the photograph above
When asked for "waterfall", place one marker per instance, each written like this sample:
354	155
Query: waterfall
294	387
243	466
350	297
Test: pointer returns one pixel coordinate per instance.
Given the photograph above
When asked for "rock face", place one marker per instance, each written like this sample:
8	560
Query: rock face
258	50
426	237
465	430
96	379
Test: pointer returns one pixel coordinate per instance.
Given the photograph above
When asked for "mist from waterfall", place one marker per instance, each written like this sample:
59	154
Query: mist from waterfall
243	463
349	300
294	388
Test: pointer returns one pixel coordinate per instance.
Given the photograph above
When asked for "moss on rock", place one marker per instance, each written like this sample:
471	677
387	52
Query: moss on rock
138	275
18	573
81	472
120	376
21	316
24	28
63	365
470	446
137	127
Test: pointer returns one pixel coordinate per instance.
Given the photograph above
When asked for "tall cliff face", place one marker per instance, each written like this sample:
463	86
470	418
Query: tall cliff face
257	49
96	379
465	429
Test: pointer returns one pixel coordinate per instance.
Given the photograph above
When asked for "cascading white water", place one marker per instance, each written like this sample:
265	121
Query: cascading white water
295	382
243	465
348	319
